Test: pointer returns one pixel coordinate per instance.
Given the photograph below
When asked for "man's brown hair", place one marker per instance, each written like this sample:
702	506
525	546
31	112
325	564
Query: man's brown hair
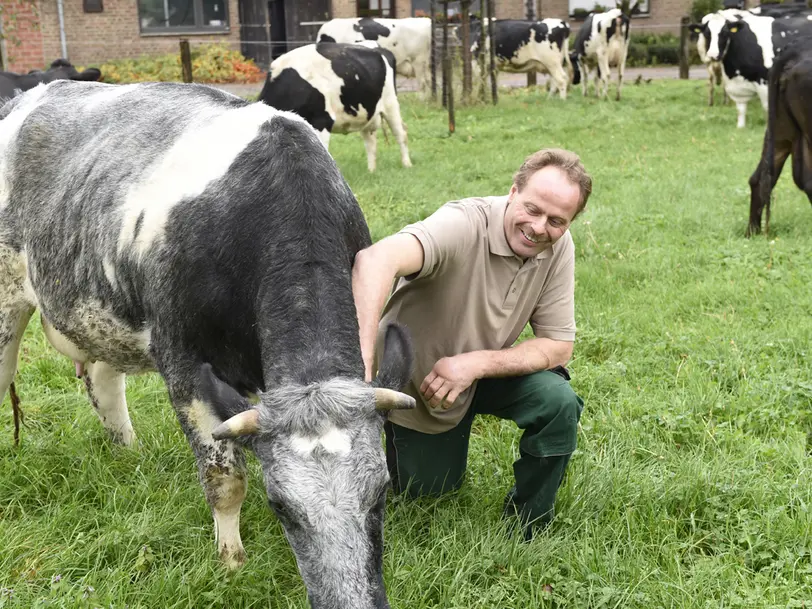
566	161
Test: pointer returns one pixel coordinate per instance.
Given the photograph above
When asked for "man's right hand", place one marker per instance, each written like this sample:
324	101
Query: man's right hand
373	273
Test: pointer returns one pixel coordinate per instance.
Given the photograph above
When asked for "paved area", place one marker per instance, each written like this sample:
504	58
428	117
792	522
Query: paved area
514	80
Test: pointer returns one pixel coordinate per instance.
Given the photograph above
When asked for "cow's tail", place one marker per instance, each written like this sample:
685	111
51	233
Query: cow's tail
565	50
17	412
576	68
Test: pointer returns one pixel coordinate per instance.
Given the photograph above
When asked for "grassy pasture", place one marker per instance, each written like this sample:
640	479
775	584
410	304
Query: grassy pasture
691	486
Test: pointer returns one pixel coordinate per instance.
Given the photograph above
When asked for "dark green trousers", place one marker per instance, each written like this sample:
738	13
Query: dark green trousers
542	404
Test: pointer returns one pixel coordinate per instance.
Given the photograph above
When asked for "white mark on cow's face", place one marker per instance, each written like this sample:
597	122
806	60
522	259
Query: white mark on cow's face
200	156
715	27
335	441
10	127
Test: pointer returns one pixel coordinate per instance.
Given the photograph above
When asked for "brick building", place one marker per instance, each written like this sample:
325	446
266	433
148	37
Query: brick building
89	32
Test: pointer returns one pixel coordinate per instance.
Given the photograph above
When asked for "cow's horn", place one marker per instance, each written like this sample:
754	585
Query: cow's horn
243	424
387	399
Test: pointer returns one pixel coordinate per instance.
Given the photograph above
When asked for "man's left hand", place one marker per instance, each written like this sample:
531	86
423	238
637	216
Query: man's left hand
448	378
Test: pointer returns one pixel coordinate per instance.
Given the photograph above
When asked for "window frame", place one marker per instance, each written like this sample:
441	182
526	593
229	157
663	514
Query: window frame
377	13
609	5
197	6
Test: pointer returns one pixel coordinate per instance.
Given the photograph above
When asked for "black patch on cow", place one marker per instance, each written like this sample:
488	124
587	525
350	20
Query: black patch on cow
289	91
743	55
326	38
584	34
371	29
558	35
786	30
362	71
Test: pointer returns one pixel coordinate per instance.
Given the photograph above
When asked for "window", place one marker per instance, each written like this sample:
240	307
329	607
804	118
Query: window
167	16
422	8
376	8
580	8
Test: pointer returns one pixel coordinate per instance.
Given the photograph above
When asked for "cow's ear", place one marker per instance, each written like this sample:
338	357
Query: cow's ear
695	28
397	359
734	29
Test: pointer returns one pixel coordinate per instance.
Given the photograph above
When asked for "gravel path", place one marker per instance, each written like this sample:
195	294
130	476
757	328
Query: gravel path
514	80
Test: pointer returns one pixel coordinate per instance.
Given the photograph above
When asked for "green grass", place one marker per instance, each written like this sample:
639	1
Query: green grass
691	485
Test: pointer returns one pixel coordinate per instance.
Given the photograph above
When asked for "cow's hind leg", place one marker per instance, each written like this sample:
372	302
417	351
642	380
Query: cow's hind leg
220	463
391	113
15	311
370	135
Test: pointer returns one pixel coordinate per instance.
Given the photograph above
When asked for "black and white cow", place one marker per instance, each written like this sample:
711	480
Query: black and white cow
601	42
714	67
11	82
339	88
789	129
191	232
409	40
790	9
529	46
746	45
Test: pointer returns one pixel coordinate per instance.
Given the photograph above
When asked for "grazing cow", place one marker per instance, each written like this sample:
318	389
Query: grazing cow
408	39
529	46
789	129
746	45
339	88
183	229
602	42
59	69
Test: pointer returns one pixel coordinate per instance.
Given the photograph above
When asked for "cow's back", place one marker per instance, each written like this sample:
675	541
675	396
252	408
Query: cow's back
163	201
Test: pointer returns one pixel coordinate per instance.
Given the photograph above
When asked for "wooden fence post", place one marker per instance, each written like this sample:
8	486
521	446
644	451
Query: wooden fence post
433	10
531	16
445	51
447	77
483	78
185	61
494	84
466	51
683	48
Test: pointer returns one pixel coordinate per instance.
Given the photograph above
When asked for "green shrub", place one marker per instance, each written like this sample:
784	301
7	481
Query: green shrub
214	63
656	49
700	8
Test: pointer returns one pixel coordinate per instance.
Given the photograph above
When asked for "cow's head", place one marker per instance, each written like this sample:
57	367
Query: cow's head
715	33
325	474
62	69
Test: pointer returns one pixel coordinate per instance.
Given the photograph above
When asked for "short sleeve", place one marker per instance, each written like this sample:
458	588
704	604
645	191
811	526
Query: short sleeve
554	314
446	234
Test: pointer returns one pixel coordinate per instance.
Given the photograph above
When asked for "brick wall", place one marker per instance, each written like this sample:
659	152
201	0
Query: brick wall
663	17
23	44
92	38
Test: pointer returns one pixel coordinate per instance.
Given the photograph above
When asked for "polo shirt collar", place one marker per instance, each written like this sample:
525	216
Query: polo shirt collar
496	231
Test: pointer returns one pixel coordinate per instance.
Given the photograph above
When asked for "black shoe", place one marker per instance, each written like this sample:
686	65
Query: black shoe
512	512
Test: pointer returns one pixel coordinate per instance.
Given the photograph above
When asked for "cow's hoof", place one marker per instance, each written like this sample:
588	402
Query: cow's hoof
124	438
232	559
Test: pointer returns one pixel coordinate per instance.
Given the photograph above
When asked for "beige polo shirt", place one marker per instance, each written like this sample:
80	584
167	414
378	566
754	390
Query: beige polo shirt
474	293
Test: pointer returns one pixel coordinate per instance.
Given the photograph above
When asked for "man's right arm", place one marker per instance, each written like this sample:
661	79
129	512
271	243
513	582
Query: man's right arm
373	274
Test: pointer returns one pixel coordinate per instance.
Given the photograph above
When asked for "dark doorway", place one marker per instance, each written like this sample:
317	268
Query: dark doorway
303	18
279	37
254	42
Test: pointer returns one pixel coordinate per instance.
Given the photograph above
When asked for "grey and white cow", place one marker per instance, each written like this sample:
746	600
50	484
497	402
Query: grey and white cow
212	240
339	88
